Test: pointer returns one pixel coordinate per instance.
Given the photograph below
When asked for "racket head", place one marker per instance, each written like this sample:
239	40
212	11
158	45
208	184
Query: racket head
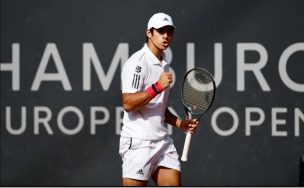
198	91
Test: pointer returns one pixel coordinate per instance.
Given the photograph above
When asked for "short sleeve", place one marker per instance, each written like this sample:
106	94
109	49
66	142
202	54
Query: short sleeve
132	77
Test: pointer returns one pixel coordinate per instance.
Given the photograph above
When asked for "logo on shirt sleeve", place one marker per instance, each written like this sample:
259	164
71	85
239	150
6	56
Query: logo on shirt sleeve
136	77
138	69
135	82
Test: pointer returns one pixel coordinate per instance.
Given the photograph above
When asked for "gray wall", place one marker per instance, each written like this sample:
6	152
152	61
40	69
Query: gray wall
60	122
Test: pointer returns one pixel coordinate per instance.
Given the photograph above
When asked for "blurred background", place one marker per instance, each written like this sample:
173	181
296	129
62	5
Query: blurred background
61	98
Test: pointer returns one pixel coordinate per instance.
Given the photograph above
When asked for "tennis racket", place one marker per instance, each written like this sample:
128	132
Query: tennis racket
198	91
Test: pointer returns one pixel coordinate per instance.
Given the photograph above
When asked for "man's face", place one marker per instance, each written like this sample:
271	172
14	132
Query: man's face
161	37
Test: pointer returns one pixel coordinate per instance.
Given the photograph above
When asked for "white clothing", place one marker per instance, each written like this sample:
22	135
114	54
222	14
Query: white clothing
142	157
140	71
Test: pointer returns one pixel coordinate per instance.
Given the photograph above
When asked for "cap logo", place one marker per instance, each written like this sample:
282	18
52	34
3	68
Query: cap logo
165	19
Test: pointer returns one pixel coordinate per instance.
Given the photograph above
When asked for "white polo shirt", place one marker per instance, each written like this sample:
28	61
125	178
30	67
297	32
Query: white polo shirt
140	71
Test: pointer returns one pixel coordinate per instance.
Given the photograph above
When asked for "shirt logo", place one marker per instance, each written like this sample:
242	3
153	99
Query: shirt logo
135	82
140	172
138	69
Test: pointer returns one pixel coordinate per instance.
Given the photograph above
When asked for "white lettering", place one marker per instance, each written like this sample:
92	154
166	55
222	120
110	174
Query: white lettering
80	122
14	66
275	122
95	121
119	117
249	123
190	56
8	122
42	120
242	67
51	51
218	60
218	63
298	114
283	67
89	55
234	117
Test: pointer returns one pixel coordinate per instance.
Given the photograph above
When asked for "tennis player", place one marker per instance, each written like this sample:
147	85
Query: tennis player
145	147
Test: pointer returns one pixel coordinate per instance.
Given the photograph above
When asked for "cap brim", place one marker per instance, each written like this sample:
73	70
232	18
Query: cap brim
163	25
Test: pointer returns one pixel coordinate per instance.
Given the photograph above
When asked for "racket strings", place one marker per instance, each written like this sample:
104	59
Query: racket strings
198	91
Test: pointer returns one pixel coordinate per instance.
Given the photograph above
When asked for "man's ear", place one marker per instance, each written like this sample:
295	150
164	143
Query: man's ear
149	34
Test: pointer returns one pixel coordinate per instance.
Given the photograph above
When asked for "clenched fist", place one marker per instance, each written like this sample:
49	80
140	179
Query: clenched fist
165	79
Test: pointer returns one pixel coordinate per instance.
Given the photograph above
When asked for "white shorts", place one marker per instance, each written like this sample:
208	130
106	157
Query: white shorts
142	157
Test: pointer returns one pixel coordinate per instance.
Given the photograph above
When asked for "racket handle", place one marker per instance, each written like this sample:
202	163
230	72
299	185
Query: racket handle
184	157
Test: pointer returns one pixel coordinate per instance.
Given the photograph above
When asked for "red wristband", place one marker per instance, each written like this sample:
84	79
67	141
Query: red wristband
158	87
150	91
154	90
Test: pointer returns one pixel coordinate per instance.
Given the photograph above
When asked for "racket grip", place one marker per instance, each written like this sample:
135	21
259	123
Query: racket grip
184	157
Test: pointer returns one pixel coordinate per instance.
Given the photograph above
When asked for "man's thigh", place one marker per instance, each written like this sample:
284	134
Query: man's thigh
164	176
133	182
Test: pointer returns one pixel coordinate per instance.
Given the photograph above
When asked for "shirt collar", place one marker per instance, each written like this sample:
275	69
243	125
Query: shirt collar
154	58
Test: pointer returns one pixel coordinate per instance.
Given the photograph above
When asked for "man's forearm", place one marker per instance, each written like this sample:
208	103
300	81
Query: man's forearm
134	101
172	119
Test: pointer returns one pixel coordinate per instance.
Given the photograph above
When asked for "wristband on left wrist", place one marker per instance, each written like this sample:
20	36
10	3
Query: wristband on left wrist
158	87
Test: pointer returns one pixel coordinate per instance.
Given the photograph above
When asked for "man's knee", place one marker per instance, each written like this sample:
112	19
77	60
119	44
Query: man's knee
133	182
166	177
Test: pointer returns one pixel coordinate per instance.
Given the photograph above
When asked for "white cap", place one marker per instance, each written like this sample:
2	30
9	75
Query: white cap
159	20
